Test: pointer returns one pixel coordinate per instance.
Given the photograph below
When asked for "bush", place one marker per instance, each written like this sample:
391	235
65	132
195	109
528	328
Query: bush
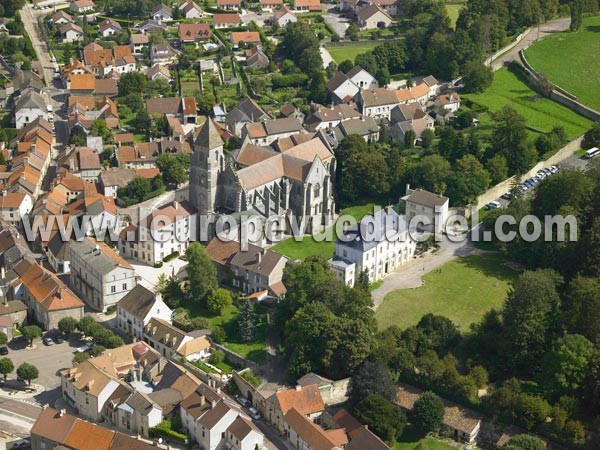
217	357
158	265
171	257
218	335
165	430
249	376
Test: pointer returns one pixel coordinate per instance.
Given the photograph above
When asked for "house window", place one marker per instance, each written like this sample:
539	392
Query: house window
113	289
124	286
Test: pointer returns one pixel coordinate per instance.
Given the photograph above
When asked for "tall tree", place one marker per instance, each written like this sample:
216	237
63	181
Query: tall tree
509	138
531	318
576	7
247	321
28	372
382	416
371	378
427	413
6	367
201	271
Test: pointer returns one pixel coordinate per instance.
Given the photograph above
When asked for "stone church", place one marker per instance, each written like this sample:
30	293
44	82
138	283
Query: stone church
262	181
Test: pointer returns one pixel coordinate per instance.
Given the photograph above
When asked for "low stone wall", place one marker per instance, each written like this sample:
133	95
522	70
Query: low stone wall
235	359
250	392
496	191
557	94
335	393
507	48
213	380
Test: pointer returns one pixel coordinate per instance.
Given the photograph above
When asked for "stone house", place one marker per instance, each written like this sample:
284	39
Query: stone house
430	206
306	400
99	273
135	310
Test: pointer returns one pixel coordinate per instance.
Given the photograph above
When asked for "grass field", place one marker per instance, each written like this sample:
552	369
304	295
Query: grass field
343	52
464	290
255	351
310	246
540	113
410	439
453	9
572	61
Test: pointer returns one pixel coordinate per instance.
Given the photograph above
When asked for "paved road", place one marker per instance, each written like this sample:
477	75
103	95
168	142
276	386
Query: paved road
338	23
29	16
550	27
17	417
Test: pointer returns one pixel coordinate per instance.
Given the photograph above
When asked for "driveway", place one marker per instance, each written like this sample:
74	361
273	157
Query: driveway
325	56
550	27
338	23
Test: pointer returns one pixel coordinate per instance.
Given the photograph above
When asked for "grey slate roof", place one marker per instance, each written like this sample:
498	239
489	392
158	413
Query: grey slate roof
102	261
208	137
364	237
138	302
31	99
426	198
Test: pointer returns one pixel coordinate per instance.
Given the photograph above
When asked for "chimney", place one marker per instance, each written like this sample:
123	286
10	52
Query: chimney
202	400
62	412
213	404
298	388
389	209
175	204
218	390
258	257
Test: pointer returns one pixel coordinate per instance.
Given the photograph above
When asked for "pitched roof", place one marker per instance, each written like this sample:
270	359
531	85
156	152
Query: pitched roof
370	11
98	255
110	23
305	399
308	431
241	428
193	31
378	97
412	93
426	198
313	5
245	36
208	137
138	302
363	438
171	105
53	426
139	38
282	12
347	421
83	82
223	18
194	346
89	436
222	251
257	259
162	331
200	400
48	290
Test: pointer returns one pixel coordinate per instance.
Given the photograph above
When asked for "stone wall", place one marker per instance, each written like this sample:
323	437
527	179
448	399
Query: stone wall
557	94
507	48
235	359
496	191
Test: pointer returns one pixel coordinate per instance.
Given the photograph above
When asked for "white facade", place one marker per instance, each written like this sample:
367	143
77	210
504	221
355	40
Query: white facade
159	240
389	248
133	324
431	206
14	212
23	116
363	79
72	36
100	279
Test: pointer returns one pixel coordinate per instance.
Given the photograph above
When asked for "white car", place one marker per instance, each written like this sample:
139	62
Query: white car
254	413
242	400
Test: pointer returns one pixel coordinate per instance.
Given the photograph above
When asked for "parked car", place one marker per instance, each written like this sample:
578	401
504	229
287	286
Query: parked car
59	339
85	348
506	196
493	205
4	350
254	413
242	400
48	341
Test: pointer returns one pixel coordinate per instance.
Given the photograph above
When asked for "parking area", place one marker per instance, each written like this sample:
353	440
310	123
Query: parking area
48	359
339	23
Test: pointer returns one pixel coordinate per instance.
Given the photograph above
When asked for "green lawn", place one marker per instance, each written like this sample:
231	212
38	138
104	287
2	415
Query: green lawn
541	113
343	52
453	9
410	439
309	246
255	351
464	290
572	60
